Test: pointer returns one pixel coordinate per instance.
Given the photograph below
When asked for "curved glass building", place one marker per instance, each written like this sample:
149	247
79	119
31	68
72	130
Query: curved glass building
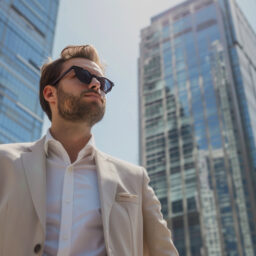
26	38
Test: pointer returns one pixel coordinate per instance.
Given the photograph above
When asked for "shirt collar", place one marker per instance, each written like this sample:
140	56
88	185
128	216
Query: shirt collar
87	151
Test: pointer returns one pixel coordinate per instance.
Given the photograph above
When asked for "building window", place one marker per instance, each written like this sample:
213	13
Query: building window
177	206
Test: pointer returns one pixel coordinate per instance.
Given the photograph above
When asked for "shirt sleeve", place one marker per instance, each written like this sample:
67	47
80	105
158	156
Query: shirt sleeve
157	236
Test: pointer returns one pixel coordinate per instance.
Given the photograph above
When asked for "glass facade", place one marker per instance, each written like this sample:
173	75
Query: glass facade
196	138
26	37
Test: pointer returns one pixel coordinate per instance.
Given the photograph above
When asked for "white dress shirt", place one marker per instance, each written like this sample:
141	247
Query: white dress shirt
73	221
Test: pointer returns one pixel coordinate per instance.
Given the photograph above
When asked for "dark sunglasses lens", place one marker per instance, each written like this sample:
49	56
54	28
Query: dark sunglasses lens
105	85
86	77
83	75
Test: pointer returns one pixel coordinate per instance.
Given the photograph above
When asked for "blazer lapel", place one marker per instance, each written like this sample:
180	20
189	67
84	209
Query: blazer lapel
35	169
107	182
34	163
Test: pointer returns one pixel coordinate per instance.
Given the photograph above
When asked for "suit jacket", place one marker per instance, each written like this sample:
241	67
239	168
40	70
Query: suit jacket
132	222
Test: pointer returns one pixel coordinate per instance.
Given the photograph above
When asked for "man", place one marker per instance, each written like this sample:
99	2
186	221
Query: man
62	196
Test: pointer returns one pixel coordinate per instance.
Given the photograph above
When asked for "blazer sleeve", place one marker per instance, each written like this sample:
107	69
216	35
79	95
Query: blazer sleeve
156	235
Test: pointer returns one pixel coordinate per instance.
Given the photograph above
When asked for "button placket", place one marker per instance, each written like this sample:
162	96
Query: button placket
66	211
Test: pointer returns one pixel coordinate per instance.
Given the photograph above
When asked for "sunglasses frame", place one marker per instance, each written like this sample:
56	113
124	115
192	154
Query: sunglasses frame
79	69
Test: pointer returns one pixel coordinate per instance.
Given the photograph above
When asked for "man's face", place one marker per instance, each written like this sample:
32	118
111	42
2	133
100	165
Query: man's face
77	101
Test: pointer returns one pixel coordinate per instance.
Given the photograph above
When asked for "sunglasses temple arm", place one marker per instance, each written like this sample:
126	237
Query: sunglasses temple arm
59	78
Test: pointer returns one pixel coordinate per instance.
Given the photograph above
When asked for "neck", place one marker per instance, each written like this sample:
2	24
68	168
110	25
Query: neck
73	136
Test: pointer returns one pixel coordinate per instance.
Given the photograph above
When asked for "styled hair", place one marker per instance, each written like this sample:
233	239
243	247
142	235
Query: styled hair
51	70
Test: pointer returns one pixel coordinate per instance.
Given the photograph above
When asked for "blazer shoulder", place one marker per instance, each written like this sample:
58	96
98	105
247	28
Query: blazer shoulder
13	150
122	164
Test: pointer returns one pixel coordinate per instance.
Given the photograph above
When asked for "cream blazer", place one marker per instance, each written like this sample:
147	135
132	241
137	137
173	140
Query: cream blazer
132	222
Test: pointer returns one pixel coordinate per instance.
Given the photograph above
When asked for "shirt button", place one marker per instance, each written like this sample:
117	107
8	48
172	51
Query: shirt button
37	248
67	201
65	237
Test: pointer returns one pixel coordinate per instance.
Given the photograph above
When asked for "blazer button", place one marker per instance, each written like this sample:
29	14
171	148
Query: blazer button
37	248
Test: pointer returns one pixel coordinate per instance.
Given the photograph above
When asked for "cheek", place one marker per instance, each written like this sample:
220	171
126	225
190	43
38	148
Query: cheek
67	100
71	87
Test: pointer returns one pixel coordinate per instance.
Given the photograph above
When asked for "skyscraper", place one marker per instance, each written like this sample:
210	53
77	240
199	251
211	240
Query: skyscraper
197	100
26	39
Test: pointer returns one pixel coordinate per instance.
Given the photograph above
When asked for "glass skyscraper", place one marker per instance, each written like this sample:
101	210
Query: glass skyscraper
26	38
197	102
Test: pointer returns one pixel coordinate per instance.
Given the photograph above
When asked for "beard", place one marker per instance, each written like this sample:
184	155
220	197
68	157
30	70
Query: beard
77	109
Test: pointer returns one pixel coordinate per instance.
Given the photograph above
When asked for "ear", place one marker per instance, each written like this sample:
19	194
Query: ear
50	94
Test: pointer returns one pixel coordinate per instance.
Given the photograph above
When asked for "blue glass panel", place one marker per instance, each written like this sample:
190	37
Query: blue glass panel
168	70
166	31
193	74
31	15
205	14
183	98
20	92
215	135
18	123
15	45
197	109
210	99
179	53
167	58
169	82
182	24
167	46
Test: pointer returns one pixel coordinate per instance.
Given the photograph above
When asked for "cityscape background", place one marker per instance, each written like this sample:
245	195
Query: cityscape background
114	29
183	103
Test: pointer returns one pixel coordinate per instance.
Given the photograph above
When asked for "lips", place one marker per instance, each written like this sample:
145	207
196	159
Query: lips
93	95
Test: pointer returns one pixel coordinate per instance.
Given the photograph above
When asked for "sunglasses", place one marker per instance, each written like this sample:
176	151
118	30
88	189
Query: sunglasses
86	77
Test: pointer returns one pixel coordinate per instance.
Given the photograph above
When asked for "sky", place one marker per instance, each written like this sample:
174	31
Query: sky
113	27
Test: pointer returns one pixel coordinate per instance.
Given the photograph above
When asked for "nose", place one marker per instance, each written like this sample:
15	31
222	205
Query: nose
95	84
